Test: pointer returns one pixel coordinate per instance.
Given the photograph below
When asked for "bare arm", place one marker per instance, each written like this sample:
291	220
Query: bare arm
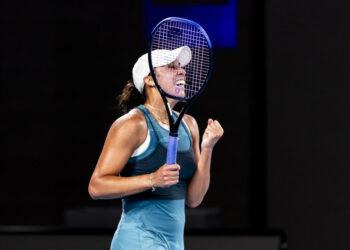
200	181
124	136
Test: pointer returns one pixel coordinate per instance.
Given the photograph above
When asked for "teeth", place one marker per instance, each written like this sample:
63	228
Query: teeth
180	82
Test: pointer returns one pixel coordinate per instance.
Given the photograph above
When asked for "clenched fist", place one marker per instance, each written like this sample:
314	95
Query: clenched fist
212	134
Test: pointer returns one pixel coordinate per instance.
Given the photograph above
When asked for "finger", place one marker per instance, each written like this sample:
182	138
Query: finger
210	130
218	125
174	167
174	178
215	124
167	179
172	173
213	132
210	121
170	183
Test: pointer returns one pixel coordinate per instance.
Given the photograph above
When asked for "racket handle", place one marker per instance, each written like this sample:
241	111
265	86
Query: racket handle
172	150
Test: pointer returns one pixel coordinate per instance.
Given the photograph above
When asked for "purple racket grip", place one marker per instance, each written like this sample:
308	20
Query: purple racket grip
172	150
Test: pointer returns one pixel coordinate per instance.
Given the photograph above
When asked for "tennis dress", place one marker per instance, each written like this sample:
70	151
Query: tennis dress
156	220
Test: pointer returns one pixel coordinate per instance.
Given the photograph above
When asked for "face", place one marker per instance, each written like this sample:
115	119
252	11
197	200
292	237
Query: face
172	79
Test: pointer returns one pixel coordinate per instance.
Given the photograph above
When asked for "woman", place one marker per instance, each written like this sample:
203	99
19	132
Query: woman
131	165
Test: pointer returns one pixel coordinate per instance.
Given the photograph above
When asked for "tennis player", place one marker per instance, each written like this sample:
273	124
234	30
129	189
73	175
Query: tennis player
132	163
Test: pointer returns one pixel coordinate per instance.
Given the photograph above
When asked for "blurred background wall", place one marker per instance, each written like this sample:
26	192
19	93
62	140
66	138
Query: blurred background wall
280	89
308	100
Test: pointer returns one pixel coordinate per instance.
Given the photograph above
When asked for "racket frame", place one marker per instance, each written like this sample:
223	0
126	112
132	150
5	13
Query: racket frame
174	125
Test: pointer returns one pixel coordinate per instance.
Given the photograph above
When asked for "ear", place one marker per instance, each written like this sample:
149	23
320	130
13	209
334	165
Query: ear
148	81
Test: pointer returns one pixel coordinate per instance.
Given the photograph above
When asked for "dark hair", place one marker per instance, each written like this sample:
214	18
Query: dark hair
130	97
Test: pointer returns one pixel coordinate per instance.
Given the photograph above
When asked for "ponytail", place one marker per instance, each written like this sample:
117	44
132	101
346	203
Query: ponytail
130	97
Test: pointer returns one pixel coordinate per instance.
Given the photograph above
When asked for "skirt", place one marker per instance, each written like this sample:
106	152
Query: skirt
150	225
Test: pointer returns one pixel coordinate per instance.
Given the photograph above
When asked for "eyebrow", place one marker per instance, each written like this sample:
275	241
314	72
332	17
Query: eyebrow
172	64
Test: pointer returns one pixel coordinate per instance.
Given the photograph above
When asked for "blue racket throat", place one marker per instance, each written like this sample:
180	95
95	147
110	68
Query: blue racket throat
172	150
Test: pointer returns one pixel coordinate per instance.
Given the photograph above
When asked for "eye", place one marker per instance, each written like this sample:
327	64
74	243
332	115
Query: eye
171	66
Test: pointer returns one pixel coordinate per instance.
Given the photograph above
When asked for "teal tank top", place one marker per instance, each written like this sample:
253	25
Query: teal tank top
156	220
155	156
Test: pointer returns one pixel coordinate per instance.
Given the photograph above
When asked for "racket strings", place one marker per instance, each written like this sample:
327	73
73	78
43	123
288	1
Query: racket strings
172	35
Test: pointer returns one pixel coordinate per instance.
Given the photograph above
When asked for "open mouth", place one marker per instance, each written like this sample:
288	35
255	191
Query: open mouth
180	87
180	82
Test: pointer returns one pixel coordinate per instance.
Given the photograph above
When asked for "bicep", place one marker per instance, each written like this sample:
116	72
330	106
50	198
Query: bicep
120	143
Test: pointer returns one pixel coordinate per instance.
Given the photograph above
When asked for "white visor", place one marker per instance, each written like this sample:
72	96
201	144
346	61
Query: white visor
141	68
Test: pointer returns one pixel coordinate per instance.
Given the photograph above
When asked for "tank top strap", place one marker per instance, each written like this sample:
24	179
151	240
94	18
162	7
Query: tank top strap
185	127
149	120
154	126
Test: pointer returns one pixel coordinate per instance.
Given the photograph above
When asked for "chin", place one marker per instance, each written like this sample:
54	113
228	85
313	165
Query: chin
180	92
183	95
180	95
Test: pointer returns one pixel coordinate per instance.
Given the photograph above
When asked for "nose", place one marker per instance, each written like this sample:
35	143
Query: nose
180	71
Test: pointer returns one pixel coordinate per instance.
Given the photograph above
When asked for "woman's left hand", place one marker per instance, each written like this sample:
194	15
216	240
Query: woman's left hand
212	134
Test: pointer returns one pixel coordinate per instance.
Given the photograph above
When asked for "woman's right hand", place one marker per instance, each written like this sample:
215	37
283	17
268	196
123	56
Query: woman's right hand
166	176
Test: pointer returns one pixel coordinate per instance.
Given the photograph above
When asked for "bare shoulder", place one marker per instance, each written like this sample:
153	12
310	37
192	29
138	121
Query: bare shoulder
133	124
192	125
190	121
133	118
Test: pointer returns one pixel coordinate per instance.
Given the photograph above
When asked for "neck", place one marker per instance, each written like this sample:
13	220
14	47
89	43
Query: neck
155	100
159	104
172	102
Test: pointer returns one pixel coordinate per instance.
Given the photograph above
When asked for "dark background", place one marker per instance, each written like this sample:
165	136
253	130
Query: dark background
282	96
308	100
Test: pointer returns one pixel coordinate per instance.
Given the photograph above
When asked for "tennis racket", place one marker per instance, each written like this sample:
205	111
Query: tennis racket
186	42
